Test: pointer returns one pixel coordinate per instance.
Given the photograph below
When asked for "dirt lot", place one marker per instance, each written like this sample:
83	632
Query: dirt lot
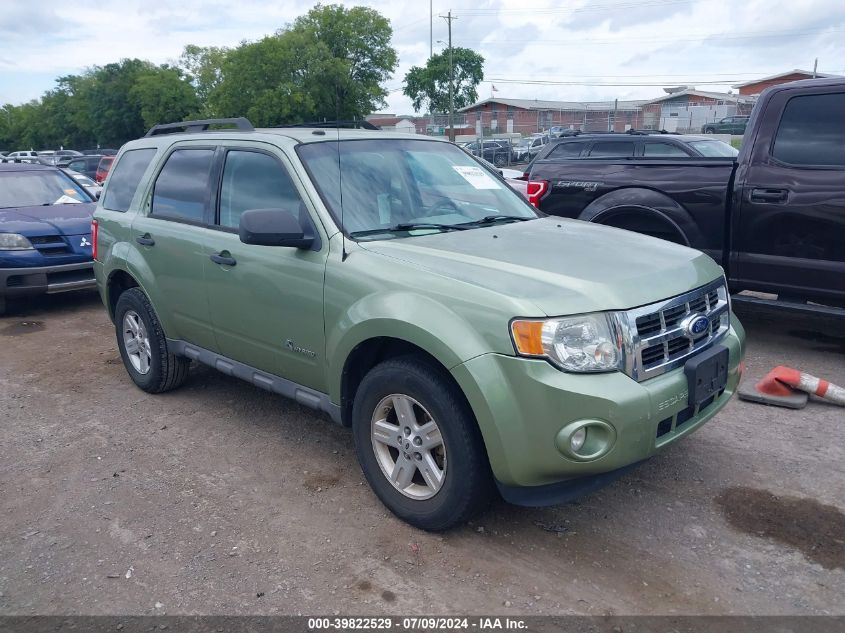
220	498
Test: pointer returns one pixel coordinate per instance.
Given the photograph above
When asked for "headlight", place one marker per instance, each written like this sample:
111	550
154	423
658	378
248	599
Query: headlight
583	343
14	242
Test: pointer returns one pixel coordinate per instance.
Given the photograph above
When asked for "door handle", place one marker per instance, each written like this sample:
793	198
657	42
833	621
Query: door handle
145	240
223	258
768	195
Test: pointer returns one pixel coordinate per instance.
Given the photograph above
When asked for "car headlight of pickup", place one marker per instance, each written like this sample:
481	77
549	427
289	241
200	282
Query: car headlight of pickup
14	242
582	343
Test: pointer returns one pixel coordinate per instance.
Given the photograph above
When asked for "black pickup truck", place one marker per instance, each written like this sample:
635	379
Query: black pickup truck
773	217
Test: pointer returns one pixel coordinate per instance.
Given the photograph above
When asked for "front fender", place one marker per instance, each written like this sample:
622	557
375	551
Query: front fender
405	316
648	201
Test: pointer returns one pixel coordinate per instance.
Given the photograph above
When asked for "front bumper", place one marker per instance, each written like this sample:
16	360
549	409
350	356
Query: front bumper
46	279
522	405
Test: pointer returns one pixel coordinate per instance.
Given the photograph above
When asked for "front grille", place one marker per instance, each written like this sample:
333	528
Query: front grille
50	245
659	335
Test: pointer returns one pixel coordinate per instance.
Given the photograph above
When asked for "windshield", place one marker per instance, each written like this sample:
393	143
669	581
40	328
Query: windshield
38	189
714	149
388	184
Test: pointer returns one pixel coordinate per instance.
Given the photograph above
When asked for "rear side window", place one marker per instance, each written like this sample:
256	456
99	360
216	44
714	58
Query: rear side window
566	150
125	179
181	190
656	150
252	180
613	149
812	131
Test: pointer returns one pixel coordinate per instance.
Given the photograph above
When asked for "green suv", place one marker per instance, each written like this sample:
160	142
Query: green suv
400	286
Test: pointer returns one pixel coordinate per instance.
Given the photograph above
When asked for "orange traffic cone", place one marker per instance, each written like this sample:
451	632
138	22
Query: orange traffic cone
787	387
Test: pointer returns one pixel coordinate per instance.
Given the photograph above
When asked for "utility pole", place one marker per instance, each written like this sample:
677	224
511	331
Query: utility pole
430	29
815	67
448	17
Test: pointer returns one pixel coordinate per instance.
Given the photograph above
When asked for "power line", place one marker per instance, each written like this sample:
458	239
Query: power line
561	11
580	41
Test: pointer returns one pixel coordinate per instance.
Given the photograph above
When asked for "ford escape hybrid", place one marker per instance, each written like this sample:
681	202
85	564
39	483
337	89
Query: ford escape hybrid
398	285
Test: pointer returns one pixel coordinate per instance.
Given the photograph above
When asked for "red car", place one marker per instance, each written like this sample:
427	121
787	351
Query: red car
103	169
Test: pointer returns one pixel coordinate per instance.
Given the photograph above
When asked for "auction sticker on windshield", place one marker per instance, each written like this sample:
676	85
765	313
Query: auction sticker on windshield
476	177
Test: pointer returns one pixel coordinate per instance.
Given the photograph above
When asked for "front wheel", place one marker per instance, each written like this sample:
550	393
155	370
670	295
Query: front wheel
419	445
709	131
499	160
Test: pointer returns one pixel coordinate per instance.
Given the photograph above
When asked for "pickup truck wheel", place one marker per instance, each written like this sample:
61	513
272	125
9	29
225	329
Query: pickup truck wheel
419	446
143	346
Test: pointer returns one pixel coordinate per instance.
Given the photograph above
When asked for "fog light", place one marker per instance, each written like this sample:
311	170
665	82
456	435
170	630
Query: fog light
585	440
576	440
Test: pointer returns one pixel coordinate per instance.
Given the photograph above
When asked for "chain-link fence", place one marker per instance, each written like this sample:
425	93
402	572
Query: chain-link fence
613	116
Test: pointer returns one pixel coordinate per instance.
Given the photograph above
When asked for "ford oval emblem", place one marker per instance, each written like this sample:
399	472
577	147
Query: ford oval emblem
696	325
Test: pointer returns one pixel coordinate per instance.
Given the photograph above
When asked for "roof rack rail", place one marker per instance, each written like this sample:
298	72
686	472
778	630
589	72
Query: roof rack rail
646	132
354	124
240	123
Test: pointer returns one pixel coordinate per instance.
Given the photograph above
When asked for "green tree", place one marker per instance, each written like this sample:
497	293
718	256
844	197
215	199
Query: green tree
361	58
162	95
428	86
328	64
204	67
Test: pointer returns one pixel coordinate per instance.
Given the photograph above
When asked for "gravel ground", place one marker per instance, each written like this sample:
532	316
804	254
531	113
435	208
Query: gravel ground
220	498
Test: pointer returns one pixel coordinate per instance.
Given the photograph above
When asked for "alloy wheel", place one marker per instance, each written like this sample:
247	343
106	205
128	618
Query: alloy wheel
408	446
136	342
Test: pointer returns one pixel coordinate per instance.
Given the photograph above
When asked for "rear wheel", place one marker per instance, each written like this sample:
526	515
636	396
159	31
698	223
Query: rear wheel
710	130
419	445
499	160
143	346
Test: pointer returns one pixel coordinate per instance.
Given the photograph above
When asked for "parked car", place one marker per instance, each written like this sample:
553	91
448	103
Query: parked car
636	145
728	125
772	217
93	189
101	152
21	157
45	232
86	164
470	343
103	167
494	151
529	147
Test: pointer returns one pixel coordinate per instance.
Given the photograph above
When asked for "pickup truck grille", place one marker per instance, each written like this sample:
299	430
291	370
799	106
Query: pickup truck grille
659	337
50	245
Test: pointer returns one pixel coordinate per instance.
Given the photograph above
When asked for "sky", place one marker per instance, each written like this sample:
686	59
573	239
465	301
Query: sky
573	50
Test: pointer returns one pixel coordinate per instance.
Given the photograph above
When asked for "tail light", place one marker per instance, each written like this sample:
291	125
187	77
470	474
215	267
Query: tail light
536	190
95	231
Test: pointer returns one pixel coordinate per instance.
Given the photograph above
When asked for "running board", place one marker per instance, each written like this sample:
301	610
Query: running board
789	306
303	395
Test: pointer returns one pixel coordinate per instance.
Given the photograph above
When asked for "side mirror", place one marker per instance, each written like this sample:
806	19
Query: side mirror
272	227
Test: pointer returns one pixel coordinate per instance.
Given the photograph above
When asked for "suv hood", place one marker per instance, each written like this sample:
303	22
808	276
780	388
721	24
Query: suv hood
57	219
562	266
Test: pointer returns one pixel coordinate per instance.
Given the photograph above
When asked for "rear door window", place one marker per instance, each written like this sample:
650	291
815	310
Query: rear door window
612	149
125	179
182	189
812	131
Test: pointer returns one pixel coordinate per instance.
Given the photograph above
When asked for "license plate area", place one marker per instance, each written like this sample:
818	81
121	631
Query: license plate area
707	374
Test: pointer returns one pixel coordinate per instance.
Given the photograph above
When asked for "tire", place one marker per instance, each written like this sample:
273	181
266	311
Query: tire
466	484
709	130
499	160
162	370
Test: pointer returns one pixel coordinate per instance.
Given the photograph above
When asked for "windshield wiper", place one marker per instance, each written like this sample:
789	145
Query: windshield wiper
491	219
410	226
